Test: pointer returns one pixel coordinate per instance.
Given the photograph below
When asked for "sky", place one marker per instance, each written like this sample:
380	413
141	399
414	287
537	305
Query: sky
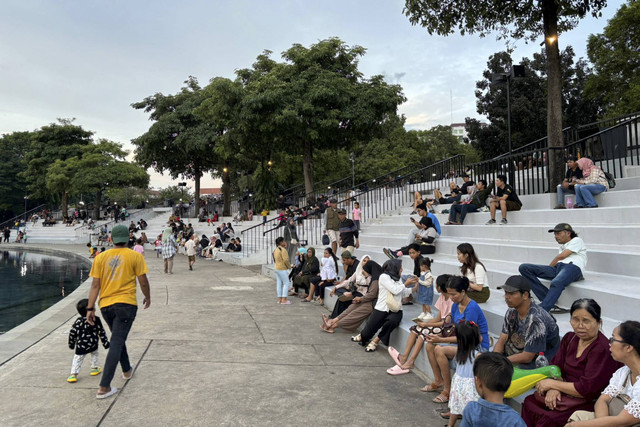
90	60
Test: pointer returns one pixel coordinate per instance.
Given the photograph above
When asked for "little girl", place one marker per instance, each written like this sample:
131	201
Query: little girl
328	274
424	287
356	213
463	388
158	245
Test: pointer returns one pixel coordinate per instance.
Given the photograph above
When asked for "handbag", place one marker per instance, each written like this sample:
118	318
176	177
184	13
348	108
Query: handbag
448	328
617	404
294	241
392	303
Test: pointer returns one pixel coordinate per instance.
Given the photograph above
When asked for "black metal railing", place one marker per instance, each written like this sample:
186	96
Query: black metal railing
25	215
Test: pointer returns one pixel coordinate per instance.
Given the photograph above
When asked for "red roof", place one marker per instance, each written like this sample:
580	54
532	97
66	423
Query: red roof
205	191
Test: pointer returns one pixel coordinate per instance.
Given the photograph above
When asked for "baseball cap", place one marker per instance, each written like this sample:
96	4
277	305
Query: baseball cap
119	234
563	226
572	158
333	201
342	211
516	283
346	254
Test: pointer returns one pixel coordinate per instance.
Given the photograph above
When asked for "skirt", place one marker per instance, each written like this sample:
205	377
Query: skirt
425	295
479	296
463	391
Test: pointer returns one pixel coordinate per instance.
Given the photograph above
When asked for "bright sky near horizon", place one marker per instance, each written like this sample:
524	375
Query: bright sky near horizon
91	60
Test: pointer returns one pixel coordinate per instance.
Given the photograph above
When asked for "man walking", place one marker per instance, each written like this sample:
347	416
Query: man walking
349	237
333	224
114	275
567	267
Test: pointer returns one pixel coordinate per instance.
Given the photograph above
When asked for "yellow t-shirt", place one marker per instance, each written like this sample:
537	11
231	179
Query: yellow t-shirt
117	270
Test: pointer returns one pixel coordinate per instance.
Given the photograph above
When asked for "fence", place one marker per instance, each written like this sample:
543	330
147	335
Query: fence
25	215
134	215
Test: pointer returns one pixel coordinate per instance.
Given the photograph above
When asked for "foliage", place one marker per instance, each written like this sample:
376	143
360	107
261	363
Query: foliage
13	189
175	193
615	55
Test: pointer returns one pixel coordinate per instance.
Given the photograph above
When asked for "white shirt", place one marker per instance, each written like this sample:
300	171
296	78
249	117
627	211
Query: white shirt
615	387
190	246
479	276
579	253
328	270
385	285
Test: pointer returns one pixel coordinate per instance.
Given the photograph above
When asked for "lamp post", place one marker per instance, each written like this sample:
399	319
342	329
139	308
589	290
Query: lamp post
26	199
352	157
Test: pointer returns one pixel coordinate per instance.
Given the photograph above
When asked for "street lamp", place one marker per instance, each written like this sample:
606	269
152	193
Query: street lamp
26	199
352	157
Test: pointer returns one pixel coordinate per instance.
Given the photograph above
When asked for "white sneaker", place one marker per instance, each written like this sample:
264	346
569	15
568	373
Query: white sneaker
427	317
421	316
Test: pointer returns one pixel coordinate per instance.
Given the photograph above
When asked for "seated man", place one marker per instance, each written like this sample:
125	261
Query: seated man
568	184
567	267
506	199
528	330
476	202
426	218
231	247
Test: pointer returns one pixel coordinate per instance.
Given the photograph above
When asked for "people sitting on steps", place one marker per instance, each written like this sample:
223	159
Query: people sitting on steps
528	329
453	196
505	199
425	241
475	271
356	285
477	201
567	267
568	184
593	182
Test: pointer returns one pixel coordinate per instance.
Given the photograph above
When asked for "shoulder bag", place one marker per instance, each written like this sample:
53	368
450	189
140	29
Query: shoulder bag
392	303
617	404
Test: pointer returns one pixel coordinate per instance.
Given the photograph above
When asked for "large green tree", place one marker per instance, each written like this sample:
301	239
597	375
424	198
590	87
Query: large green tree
615	55
515	19
179	141
13	189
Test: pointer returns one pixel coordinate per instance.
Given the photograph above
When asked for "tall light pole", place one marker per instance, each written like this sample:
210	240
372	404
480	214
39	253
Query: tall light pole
26	199
352	157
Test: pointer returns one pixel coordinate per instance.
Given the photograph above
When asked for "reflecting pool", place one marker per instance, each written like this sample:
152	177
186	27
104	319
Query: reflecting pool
31	282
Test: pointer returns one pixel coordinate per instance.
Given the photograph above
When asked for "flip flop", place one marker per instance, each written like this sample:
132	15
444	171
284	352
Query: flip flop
394	355
107	394
431	388
397	370
133	368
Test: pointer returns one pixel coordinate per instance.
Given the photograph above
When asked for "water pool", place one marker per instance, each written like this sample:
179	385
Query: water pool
31	282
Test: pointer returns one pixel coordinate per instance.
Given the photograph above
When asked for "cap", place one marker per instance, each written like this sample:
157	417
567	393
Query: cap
563	226
120	234
346	254
516	283
333	201
342	212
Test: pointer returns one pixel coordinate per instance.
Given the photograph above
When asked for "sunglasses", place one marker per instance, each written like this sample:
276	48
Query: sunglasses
612	339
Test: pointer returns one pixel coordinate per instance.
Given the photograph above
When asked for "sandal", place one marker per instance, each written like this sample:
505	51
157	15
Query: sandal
394	355
355	338
326	329
431	388
371	347
443	397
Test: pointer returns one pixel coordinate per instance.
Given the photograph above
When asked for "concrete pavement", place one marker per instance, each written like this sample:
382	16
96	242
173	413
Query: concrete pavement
214	348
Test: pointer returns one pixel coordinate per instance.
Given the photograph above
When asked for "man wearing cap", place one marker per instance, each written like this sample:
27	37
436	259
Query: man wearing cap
349	237
567	186
350	265
527	330
567	267
114	275
333	224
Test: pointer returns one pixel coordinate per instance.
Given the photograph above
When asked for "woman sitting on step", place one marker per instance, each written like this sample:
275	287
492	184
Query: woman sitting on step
475	271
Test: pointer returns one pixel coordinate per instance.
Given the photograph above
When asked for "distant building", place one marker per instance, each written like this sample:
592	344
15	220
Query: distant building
459	130
211	191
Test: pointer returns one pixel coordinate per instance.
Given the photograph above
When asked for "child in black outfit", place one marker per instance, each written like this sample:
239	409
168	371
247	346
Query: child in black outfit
84	337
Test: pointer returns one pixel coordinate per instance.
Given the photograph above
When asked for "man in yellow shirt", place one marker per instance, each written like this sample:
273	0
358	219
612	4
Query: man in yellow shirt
114	275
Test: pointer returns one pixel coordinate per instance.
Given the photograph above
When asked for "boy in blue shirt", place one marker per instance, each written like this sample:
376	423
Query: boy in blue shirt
492	372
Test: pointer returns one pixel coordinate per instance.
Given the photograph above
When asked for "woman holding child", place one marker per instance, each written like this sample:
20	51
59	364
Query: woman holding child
586	365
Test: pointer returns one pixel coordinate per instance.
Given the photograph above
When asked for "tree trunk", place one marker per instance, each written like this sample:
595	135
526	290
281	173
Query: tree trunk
197	192
307	171
226	193
554	94
65	199
96	206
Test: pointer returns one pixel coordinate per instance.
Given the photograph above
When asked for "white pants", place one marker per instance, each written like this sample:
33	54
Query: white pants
79	358
413	234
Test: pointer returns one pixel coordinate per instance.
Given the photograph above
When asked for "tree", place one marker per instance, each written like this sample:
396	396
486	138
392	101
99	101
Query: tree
178	141
57	141
317	99
516	19
615	55
13	189
173	192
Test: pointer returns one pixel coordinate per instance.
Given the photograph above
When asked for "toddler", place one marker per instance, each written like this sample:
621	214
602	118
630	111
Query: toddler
84	338
356	213
138	246
425	290
158	245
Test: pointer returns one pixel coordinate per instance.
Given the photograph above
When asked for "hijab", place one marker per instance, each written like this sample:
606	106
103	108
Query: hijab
392	268
166	234
373	269
359	277
586	165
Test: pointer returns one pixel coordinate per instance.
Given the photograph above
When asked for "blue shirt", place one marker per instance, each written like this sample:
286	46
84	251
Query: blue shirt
489	414
436	223
473	313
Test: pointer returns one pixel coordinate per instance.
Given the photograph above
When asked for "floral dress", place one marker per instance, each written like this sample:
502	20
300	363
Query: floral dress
463	387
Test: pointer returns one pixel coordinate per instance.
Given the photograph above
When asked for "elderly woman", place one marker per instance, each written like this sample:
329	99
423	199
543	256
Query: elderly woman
362	306
619	403
593	182
586	364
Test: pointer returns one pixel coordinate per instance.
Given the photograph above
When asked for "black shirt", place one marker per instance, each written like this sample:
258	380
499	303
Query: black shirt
416	265
465	187
573	173
348	233
511	194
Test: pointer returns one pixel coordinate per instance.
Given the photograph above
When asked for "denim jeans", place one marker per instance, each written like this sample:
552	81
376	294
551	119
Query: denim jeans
463	209
562	191
119	317
585	193
561	275
282	283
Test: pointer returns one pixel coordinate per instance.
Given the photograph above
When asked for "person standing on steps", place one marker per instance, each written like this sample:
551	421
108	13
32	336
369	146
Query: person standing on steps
349	237
567	267
333	224
505	198
568	184
114	274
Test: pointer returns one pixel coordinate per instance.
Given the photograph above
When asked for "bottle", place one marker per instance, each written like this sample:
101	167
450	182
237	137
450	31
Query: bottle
541	360
570	203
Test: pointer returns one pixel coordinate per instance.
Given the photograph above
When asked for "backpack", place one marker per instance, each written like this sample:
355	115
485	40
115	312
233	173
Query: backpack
325	240
610	179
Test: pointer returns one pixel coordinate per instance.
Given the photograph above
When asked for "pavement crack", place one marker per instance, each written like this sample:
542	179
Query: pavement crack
166	288
256	323
319	354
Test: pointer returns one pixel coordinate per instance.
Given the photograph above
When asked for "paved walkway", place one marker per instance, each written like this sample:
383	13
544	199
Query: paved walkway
214	348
